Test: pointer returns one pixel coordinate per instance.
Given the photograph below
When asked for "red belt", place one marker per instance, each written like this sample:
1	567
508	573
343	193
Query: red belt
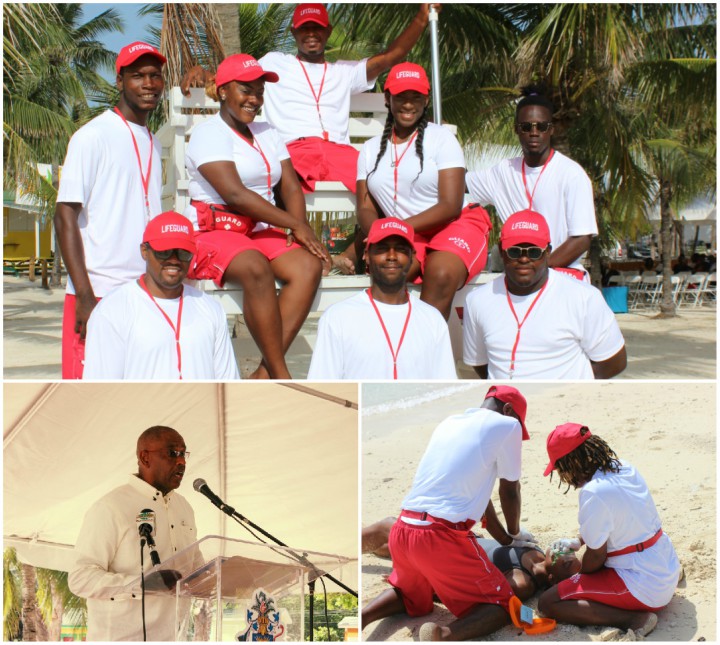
457	526
639	548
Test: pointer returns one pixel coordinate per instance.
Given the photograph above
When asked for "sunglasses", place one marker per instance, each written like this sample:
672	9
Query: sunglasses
531	252
182	254
174	454
540	126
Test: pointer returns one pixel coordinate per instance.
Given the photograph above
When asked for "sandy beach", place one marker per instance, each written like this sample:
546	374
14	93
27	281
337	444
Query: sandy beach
668	431
677	348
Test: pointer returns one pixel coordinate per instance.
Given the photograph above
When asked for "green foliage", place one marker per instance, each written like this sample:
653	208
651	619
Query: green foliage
51	66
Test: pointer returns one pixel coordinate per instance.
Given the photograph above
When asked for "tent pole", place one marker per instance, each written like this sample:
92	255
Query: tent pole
435	51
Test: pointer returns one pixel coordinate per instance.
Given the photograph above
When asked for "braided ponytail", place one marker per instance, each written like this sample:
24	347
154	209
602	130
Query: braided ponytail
421	125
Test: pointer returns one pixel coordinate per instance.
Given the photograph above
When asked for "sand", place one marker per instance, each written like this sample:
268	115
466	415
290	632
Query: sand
666	430
678	348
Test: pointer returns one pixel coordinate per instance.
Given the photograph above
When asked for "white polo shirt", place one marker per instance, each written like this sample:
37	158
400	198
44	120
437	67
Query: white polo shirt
214	140
290	106
569	326
466	454
101	172
617	508
416	191
563	195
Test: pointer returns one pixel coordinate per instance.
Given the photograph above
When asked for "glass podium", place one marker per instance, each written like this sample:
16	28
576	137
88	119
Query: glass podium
237	590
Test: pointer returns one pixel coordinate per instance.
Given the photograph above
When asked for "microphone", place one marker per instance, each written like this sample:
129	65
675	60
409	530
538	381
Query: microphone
200	485
146	528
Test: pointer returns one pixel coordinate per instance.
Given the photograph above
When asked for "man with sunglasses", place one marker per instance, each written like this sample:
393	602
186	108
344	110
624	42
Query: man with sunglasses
108	549
534	322
156	327
542	180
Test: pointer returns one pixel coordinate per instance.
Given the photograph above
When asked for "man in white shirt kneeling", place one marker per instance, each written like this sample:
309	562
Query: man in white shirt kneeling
155	327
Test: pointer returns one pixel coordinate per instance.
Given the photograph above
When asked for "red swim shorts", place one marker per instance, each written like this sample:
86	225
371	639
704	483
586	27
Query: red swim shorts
466	237
73	348
216	250
436	559
604	586
315	159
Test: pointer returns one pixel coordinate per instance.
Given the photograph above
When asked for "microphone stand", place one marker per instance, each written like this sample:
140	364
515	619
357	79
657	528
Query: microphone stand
241	519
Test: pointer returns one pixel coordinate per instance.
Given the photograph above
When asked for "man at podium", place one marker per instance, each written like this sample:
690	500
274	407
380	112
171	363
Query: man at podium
111	547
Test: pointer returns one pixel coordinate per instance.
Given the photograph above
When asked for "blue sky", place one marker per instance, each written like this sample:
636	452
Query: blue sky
135	26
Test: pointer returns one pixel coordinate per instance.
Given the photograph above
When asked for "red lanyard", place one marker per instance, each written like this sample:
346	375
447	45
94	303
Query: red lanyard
393	352
146	179
252	144
317	96
396	162
175	329
527	192
520	323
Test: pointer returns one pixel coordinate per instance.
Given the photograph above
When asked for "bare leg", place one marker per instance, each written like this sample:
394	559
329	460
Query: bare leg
444	274
375	537
300	272
479	621
388	603
251	270
589	612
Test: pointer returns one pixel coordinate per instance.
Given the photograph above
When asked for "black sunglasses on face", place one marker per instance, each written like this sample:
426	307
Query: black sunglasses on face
182	254
527	126
532	252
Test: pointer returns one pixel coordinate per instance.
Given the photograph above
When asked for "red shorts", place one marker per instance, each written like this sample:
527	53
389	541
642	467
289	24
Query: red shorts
216	250
604	586
73	349
315	159
578	274
437	559
466	237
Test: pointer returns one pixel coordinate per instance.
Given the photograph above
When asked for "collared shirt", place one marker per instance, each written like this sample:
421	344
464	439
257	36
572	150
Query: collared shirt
107	569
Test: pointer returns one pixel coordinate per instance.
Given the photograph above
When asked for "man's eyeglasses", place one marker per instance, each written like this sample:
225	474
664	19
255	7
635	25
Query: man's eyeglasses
527	126
182	254
174	454
531	252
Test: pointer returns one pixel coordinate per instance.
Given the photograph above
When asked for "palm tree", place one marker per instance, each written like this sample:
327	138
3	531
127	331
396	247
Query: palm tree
52	68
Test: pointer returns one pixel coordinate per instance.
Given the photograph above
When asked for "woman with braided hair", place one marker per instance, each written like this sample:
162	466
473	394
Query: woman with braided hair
415	171
629	569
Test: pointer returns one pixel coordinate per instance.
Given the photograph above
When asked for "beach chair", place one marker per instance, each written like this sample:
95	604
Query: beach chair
692	290
708	291
633	283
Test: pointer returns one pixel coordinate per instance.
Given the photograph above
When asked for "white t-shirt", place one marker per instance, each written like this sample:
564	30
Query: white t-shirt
128	338
101	172
352	345
466	454
569	326
416	192
617	508
563	195
214	140
290	106
108	561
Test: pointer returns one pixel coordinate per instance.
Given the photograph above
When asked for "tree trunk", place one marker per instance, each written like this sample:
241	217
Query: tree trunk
55	277
667	305
229	20
595	265
33	625
58	608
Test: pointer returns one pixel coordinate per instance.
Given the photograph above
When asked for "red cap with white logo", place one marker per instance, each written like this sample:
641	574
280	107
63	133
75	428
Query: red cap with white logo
170	230
130	53
407	76
310	12
242	67
525	227
385	227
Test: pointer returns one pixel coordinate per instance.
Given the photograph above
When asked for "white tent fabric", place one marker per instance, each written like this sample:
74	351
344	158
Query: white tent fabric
284	455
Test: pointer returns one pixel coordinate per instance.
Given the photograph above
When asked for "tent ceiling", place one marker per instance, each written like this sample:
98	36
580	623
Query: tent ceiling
284	456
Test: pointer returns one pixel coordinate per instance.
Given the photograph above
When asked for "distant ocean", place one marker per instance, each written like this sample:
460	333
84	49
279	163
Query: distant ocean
378	398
